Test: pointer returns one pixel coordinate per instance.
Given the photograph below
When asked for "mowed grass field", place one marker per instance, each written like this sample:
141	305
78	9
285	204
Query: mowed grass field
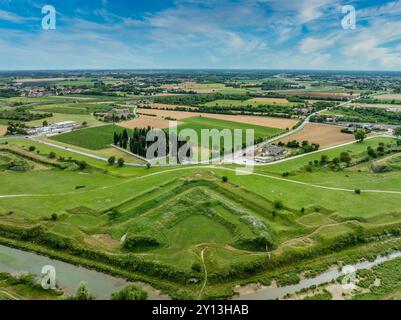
96	138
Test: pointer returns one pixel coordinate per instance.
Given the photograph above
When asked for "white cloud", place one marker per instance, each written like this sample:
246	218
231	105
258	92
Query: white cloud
10	17
303	10
310	44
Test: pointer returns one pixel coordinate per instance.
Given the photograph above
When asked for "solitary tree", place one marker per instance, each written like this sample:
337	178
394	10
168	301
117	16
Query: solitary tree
278	204
113	214
45	123
397	132
82	293
324	159
120	162
336	161
82	165
371	152
360	135
111	160
345	157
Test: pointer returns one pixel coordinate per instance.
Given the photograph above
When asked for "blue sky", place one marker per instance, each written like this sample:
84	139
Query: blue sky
166	34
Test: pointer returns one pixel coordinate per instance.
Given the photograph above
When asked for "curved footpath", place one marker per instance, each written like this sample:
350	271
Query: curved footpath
209	167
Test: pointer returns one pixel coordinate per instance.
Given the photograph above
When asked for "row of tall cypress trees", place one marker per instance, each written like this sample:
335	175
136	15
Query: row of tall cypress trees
136	143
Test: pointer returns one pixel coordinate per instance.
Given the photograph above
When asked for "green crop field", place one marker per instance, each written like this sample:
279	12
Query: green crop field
60	117
63	110
245	103
75	83
92	138
199	123
75	108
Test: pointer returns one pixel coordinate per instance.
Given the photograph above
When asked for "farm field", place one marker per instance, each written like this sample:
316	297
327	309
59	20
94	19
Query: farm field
199	123
269	100
73	83
251	102
376	105
168	106
3	130
76	108
101	137
279	123
145	121
319	94
393	96
207	88
324	135
96	138
60	117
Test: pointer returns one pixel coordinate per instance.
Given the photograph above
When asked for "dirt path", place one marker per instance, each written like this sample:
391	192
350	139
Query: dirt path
317	186
204	268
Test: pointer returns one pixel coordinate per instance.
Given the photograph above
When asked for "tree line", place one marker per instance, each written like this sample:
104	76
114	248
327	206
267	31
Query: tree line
136	142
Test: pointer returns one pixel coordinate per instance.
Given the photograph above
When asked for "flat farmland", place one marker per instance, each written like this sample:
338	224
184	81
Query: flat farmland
280	123
269	100
202	87
251	102
144	122
73	83
168	106
205	88
75	108
376	105
392	96
325	135
59	117
3	130
92	138
329	95
199	123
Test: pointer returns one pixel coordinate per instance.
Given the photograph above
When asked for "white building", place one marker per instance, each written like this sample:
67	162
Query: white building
54	128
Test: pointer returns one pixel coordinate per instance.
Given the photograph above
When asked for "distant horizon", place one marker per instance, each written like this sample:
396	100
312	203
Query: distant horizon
197	69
